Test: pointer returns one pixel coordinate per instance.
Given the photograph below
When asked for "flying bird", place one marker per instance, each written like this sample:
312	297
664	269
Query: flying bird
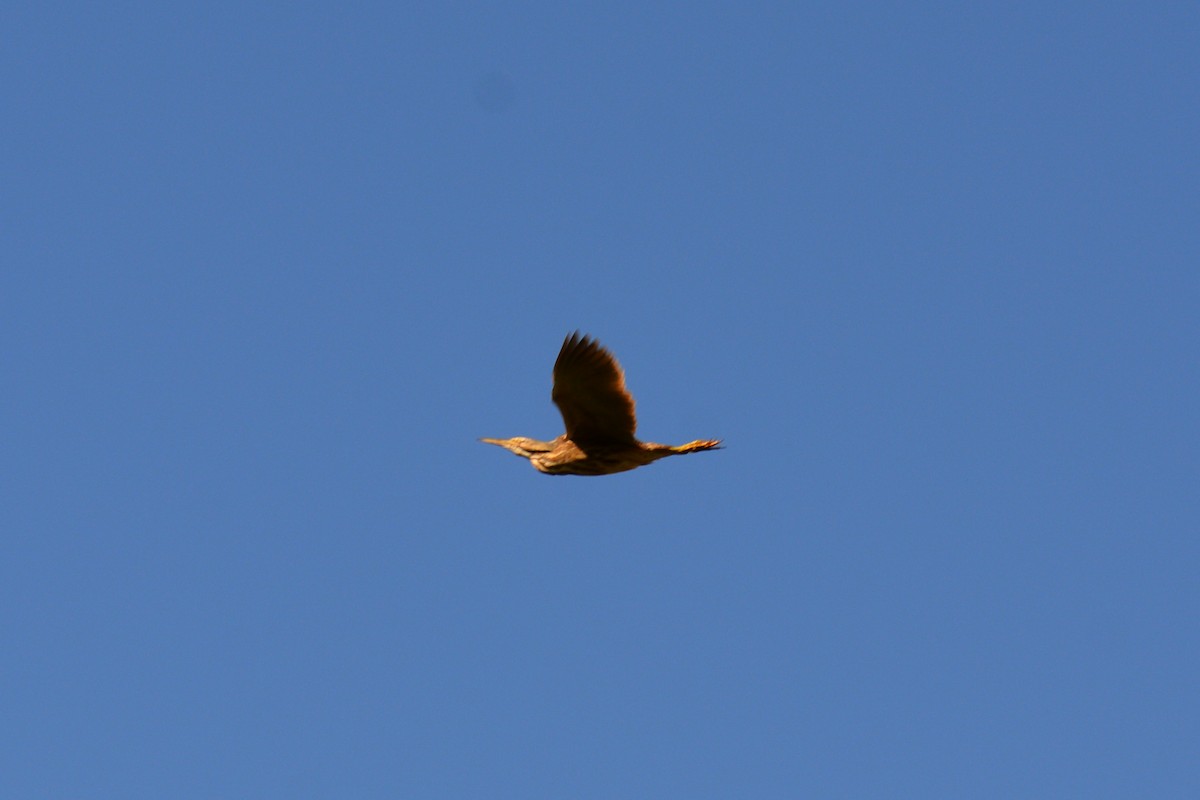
597	409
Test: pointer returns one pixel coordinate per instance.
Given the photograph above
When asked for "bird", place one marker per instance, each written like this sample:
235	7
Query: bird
598	412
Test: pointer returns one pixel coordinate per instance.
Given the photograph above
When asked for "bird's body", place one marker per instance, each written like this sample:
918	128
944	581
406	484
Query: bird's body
589	390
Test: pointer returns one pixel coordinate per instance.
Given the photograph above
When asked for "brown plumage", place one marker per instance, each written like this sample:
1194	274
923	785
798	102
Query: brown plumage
598	411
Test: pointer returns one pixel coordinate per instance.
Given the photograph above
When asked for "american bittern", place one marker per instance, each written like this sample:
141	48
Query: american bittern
589	390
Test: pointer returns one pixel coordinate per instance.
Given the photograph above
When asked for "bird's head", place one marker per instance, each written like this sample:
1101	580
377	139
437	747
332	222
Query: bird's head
521	445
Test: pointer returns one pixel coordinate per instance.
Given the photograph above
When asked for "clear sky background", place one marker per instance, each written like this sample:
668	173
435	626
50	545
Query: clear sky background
931	270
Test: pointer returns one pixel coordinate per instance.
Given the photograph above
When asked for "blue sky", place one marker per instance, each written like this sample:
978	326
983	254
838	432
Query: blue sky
931	270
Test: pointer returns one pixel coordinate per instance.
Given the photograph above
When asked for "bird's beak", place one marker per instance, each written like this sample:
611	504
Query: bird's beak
491	441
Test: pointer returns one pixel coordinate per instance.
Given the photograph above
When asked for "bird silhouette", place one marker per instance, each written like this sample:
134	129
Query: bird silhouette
598	411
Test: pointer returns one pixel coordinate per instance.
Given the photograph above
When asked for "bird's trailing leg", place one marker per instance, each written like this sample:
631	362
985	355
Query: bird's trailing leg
697	446
661	450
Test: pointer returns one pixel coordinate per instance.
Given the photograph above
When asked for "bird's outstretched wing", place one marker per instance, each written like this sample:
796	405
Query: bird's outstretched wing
589	390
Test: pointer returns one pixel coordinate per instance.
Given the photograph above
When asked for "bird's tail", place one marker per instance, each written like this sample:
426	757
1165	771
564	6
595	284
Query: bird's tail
696	446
